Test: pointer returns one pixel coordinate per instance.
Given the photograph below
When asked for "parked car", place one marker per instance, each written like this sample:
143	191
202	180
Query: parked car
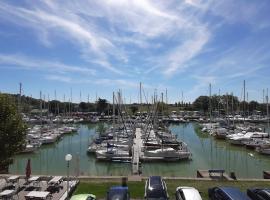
187	193
155	188
83	197
226	193
118	193
259	194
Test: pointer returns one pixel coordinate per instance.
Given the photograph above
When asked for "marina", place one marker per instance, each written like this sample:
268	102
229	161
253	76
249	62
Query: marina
207	153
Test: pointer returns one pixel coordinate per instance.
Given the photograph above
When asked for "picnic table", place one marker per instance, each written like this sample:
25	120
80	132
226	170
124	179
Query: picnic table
33	178
7	194
37	195
13	179
55	180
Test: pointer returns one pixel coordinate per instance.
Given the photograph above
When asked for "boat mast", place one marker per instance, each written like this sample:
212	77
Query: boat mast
80	101
263	96
162	107
210	103
227	106
166	97
141	102
20	99
210	110
219	103
113	114
182	102
244	105
64	106
40	109
267	110
233	113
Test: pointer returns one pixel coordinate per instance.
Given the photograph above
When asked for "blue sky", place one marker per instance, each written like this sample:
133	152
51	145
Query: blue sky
98	47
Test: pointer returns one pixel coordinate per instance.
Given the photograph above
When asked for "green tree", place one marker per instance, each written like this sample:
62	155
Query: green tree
201	103
83	107
102	105
134	109
12	131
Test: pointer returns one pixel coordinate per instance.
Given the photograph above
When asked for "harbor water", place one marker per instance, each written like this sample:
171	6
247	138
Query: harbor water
207	153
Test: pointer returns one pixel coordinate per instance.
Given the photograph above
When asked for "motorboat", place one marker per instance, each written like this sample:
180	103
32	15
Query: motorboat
220	133
239	140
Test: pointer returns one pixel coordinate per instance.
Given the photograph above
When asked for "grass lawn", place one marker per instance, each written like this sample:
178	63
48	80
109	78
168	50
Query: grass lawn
136	189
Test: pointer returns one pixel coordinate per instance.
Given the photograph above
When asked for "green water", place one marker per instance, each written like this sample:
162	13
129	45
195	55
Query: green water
206	153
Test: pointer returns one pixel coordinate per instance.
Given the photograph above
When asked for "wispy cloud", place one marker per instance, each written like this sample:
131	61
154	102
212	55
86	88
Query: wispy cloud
123	42
58	78
28	63
68	25
128	22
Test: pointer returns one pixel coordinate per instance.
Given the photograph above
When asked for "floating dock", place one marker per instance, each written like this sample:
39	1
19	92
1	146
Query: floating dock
266	174
213	174
137	151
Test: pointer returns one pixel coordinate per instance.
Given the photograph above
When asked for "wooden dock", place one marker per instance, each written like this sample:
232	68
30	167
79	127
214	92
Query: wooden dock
207	174
137	151
266	174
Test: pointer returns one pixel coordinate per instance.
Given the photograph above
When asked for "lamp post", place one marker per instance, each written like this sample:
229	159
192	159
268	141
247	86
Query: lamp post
68	158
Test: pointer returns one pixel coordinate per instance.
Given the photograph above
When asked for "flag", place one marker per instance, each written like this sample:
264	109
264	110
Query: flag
28	169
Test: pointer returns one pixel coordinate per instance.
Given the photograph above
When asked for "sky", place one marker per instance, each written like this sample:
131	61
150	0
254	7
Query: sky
97	47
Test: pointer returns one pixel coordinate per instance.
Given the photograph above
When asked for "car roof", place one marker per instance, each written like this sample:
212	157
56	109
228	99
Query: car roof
81	196
234	193
119	188
190	193
155	182
155	179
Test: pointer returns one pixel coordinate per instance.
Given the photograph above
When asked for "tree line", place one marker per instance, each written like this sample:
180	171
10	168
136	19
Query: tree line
224	104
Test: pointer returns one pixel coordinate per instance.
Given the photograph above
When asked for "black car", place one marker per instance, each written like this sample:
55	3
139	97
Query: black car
259	194
155	188
118	193
226	193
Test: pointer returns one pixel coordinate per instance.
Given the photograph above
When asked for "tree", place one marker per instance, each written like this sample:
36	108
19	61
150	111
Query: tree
134	109
201	103
83	107
12	131
102	105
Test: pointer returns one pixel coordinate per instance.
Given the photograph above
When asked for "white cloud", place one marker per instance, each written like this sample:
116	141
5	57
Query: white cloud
59	78
68	26
28	63
185	52
137	39
126	22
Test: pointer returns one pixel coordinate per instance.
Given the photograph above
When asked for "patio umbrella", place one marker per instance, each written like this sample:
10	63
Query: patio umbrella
28	169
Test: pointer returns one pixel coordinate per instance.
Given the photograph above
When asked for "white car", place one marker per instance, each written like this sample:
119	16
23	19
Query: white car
187	193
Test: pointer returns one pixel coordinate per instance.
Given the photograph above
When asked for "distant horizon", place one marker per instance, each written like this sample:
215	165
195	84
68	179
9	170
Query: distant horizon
98	47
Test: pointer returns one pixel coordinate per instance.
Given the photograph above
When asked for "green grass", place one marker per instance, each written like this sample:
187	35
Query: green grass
99	188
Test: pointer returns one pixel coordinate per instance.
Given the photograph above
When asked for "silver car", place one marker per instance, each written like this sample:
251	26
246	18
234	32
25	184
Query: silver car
187	193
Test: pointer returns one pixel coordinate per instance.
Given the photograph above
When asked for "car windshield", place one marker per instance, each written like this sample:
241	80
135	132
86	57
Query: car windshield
156	194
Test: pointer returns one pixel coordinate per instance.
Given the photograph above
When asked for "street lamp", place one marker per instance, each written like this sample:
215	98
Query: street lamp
68	158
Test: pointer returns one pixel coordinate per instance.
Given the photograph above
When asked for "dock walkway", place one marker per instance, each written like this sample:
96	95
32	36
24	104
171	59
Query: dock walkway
137	151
